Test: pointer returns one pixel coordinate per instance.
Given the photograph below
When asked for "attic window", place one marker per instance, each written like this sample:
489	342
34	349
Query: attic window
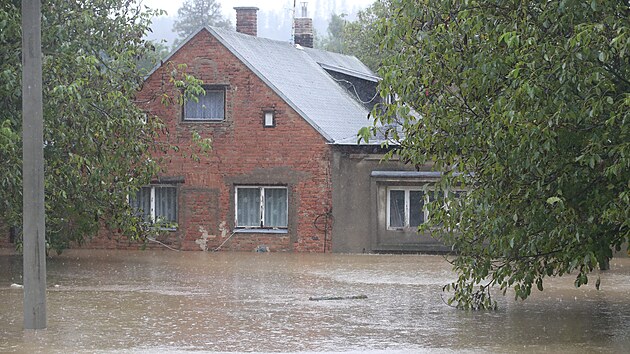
208	107
269	119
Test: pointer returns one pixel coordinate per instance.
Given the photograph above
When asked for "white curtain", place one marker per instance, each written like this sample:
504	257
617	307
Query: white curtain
276	207
142	203
248	207
209	107
166	204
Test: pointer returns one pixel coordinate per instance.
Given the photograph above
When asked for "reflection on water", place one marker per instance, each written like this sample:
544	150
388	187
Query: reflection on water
156	301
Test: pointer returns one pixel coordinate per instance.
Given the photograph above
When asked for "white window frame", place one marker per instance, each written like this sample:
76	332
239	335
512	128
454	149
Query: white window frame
208	89
407	208
261	207
269	119
152	216
407	216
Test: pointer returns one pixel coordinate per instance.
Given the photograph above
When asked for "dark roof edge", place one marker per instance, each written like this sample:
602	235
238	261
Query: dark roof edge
350	72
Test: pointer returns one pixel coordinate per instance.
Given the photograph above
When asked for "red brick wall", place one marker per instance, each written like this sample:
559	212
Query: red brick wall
292	153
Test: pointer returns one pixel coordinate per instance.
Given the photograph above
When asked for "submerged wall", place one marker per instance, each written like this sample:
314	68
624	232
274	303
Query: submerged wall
360	182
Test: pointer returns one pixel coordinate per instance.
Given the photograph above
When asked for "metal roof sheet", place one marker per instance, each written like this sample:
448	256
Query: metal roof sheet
296	75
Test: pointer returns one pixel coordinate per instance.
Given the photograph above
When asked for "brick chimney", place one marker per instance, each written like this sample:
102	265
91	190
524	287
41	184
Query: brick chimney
247	20
303	27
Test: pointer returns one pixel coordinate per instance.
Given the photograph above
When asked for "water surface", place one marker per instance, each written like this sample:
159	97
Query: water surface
164	301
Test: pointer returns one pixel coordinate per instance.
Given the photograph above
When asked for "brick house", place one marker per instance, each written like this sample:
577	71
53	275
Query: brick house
272	112
285	170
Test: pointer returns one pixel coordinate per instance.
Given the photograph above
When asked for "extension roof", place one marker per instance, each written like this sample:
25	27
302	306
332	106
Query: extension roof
298	75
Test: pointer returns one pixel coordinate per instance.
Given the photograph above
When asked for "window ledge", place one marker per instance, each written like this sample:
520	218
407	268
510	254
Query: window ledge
200	120
169	229
403	229
261	231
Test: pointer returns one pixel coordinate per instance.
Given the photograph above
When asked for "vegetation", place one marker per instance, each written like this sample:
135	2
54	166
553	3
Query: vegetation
335	40
526	106
198	13
360	37
97	142
157	52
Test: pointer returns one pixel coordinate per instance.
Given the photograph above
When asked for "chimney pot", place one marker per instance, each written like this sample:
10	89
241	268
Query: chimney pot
247	20
304	9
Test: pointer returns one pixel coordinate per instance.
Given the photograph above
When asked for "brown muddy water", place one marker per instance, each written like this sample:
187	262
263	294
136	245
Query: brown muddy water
164	301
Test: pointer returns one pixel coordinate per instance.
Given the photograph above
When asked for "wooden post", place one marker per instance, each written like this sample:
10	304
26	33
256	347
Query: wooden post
34	237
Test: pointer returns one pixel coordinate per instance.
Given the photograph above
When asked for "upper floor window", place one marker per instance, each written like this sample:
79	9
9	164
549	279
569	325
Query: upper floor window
208	107
269	120
261	207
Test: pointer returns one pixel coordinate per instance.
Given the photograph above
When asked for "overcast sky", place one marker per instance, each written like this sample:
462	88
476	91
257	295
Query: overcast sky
336	6
274	19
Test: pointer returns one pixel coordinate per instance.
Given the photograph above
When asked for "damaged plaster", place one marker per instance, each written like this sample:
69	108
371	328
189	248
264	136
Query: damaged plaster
203	240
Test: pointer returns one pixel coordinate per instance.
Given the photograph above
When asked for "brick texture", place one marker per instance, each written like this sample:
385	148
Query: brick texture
304	32
247	20
292	154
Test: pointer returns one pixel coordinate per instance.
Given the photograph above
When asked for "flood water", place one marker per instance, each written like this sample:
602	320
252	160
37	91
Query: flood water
164	301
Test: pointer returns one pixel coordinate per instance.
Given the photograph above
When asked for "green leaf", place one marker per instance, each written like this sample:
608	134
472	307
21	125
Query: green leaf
553	200
531	113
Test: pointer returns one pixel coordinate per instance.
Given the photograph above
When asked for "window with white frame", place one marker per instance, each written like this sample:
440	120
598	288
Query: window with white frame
269	119
261	207
406	206
156	204
208	107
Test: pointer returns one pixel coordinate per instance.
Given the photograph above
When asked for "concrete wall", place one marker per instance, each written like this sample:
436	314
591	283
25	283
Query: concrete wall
360	202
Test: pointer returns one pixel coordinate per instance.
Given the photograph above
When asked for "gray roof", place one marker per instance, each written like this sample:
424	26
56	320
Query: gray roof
296	74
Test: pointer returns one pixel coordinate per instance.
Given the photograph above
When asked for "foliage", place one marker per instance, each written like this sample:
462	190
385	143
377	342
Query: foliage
335	40
526	105
98	144
157	52
361	37
195	14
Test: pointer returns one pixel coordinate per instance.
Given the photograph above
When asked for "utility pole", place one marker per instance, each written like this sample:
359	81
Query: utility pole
293	23
34	232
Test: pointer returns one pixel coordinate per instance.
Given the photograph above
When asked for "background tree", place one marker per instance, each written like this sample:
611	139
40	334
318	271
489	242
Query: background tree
526	105
334	41
154	56
359	37
97	143
198	13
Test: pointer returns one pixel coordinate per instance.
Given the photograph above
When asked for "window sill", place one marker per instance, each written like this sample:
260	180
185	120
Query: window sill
261	231
192	120
158	228
163	229
169	229
403	229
